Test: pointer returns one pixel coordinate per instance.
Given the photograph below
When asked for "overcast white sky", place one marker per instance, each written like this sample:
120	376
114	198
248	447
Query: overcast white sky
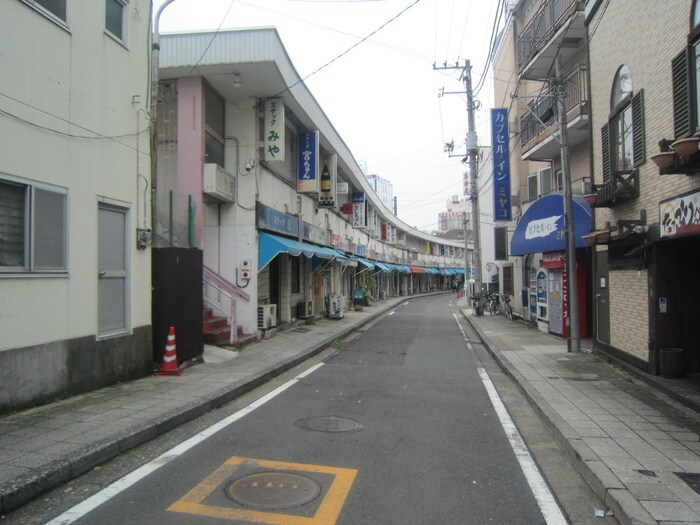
382	96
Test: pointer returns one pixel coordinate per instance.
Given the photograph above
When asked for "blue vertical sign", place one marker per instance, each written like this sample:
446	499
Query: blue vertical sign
501	164
307	162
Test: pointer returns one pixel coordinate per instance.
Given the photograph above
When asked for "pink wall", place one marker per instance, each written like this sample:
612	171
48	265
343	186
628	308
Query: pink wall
190	152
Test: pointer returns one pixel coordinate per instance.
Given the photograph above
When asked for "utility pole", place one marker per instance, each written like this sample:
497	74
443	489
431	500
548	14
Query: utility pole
574	342
472	158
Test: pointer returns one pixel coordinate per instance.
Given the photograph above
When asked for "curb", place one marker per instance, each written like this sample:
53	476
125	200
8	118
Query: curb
626	508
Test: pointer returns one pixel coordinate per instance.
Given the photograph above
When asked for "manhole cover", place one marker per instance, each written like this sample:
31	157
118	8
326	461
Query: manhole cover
330	424
273	490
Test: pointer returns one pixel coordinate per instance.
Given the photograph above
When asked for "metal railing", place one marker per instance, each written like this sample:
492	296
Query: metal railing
546	21
576	94
220	295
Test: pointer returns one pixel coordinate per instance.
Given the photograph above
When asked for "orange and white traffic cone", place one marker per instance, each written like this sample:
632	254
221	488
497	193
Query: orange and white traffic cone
169	365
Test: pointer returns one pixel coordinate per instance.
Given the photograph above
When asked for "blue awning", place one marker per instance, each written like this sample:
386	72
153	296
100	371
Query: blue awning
541	228
433	271
364	262
271	245
384	267
403	268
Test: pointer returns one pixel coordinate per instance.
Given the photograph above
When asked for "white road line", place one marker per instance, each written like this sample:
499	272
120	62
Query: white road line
97	499
544	497
540	490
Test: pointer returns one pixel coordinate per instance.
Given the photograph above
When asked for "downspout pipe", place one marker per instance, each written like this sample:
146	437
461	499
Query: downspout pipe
155	52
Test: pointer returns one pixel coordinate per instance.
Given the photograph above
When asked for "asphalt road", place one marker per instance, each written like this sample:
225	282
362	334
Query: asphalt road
395	426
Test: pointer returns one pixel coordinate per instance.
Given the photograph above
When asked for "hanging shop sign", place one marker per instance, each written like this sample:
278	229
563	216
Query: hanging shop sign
274	130
307	162
329	178
501	164
359	210
553	260
680	215
342	188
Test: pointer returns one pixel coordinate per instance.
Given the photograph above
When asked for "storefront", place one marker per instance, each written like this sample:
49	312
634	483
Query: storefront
541	237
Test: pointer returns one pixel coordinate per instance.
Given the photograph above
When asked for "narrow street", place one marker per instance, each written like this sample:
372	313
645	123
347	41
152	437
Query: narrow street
395	425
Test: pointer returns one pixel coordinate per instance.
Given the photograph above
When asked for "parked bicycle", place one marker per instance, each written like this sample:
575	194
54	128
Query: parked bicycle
477	304
507	306
494	308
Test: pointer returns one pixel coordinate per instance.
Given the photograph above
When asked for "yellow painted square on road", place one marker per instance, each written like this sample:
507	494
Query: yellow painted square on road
326	514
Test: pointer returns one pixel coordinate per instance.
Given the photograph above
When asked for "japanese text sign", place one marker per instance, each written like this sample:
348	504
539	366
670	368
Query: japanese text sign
307	162
501	164
359	210
274	130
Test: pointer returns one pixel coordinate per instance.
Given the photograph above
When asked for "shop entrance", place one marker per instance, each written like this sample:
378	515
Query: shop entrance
677	291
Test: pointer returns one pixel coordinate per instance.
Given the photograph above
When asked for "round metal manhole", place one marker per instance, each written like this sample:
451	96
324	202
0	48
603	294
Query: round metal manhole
330	424
273	490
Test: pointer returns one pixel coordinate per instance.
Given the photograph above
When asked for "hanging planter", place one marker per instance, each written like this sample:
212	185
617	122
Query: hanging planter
686	147
665	159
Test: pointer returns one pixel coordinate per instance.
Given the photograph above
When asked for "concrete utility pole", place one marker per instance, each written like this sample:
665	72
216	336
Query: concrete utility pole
472	158
574	342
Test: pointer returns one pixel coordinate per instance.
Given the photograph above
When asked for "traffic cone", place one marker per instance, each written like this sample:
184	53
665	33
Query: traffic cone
169	365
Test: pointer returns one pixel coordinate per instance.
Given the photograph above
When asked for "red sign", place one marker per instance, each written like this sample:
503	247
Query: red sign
553	259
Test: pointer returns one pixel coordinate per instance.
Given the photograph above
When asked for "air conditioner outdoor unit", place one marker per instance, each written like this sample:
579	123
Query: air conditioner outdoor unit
305	309
267	316
581	187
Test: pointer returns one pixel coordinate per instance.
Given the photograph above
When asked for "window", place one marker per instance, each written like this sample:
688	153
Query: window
559	178
55	8
545	181
114	18
685	72
508	279
500	243
214	124
623	135
532	187
33	226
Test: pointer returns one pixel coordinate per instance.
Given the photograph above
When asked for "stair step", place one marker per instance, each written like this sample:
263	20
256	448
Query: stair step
218	336
244	339
214	323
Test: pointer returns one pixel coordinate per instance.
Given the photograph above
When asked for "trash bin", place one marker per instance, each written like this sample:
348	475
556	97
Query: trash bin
358	299
671	363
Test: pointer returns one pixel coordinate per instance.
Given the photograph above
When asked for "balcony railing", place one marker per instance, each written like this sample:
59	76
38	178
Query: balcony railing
576	96
623	186
548	19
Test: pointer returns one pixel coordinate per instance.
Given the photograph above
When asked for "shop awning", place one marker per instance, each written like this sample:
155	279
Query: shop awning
433	271
418	269
384	267
271	245
402	268
541	228
453	271
364	262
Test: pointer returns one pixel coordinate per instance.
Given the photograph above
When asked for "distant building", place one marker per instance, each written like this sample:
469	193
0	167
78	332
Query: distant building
384	190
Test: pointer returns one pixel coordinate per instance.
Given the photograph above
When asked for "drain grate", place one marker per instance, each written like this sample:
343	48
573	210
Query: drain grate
649	473
691	479
330	424
301	330
273	490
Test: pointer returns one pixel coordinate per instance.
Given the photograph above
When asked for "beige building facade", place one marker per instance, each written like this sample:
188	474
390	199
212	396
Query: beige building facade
644	100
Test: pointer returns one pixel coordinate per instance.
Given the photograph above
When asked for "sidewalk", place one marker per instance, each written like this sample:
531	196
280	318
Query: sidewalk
46	446
632	441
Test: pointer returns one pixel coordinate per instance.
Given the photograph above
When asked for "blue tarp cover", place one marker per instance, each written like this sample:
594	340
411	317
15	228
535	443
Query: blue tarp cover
541	228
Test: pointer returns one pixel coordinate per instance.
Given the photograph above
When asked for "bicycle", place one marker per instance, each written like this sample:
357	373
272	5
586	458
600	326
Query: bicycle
507	307
477	306
493	304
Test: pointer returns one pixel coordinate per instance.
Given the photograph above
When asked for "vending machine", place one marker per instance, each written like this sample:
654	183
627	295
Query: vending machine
542	304
335	306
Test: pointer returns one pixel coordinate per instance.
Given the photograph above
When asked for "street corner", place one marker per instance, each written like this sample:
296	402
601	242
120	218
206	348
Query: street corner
270	492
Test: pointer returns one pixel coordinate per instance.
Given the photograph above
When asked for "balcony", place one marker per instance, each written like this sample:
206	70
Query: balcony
623	187
539	142
557	28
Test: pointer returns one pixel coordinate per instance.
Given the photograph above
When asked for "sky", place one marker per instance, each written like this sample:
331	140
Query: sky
383	95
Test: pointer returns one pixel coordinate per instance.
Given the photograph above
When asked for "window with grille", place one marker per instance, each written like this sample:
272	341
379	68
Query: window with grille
214	124
33	227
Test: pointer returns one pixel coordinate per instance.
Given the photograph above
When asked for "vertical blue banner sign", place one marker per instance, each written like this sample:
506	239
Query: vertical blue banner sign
501	164
307	162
